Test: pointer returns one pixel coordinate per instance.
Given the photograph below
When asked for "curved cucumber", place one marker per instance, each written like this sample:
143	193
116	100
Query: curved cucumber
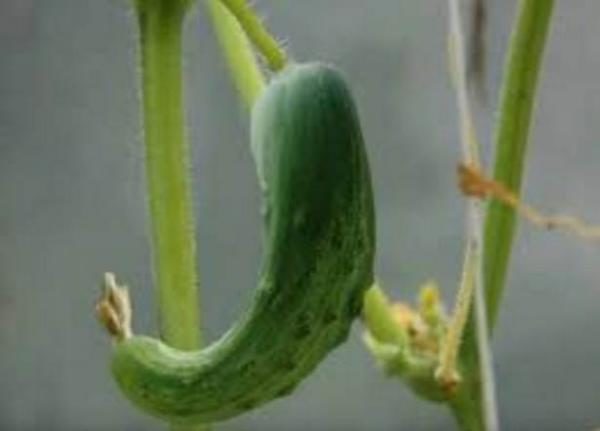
318	258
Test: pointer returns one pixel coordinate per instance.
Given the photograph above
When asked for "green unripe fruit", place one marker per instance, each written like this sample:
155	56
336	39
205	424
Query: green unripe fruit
318	261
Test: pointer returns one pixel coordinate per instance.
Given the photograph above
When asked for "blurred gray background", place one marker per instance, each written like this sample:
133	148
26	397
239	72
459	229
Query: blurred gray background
72	207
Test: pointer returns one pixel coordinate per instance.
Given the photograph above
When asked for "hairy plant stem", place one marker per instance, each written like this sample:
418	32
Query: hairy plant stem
167	171
243	66
478	412
516	106
267	45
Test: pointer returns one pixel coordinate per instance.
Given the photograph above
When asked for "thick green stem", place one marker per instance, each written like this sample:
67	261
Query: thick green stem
516	107
167	170
467	411
519	85
243	66
468	403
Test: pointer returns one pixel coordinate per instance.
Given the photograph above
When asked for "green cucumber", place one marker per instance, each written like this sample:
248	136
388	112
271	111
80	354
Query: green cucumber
318	261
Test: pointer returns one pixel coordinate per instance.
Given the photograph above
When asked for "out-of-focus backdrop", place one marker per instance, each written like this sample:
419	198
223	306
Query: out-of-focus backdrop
72	206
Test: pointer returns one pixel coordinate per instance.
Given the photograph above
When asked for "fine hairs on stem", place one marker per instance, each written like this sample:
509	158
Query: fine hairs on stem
472	277
265	43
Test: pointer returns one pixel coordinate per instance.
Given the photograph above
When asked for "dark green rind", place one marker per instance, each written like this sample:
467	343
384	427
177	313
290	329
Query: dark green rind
318	261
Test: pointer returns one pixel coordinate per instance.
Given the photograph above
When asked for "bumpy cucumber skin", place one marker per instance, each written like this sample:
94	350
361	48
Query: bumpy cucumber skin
319	247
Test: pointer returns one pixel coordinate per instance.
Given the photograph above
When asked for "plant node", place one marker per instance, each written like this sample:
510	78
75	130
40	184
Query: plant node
407	341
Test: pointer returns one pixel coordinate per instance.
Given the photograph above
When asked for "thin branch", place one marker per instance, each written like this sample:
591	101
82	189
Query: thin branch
236	47
266	44
469	146
472	280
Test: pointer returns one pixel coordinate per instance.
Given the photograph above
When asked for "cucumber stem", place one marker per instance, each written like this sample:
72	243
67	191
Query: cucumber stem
473	410
167	173
260	37
167	170
240	56
523	61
